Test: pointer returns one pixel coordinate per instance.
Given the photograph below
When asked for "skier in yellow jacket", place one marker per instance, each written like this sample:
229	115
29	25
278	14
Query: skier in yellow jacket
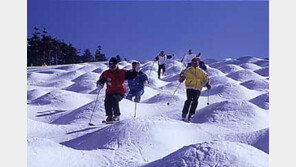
194	79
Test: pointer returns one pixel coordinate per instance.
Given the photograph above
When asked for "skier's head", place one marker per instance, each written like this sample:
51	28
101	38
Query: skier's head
195	62
190	51
162	53
136	66
113	63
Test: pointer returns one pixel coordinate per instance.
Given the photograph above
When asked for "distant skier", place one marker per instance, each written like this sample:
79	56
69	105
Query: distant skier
189	56
114	79
161	58
194	79
137	84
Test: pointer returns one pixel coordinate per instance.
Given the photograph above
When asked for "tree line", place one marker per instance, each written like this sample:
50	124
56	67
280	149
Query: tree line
43	49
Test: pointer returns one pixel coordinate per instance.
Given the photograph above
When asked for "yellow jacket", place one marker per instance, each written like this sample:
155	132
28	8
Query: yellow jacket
194	77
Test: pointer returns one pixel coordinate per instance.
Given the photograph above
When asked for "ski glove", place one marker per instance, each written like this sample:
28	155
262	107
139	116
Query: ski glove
181	79
208	86
99	86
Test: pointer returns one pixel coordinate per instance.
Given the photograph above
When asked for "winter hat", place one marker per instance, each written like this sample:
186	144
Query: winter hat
113	60
196	59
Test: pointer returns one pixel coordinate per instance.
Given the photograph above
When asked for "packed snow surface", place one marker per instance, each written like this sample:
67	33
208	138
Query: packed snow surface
233	130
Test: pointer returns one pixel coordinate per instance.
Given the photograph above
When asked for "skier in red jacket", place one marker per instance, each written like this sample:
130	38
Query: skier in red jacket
114	79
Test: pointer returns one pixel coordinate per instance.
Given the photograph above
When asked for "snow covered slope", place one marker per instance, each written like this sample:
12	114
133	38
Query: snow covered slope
233	130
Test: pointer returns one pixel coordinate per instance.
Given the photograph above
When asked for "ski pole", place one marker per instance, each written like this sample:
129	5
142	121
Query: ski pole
135	109
174	93
91	124
208	102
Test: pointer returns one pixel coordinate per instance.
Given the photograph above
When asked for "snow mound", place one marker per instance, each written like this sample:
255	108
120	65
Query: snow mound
249	59
35	93
84	83
250	66
238	114
149	67
216	153
209	61
263	71
102	68
35	78
230	90
221	80
214	72
261	101
82	114
144	139
154	81
44	152
162	98
244	75
229	68
258	139
71	67
62	83
70	75
87	68
259	84
262	63
62	98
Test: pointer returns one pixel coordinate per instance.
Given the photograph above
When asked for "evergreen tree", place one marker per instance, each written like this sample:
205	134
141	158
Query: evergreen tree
118	58
33	48
99	56
87	56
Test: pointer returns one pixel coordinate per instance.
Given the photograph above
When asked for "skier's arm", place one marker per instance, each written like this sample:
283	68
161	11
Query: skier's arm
101	81
131	74
156	58
206	80
202	65
170	56
184	61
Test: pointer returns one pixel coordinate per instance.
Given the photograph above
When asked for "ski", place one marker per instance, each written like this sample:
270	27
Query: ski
109	122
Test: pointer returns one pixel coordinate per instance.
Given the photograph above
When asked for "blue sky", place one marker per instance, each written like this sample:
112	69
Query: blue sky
140	30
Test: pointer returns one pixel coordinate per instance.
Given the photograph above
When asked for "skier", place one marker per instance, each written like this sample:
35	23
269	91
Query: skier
188	57
136	85
114	79
194	78
161	58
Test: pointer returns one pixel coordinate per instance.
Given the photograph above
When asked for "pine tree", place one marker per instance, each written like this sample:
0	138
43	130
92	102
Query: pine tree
87	56
33	48
118	58
99	56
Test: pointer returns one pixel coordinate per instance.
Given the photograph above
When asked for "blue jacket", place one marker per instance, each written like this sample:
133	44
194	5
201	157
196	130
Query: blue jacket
138	82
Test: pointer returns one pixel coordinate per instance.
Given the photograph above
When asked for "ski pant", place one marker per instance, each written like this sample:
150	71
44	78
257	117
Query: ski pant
112	104
192	102
136	93
161	67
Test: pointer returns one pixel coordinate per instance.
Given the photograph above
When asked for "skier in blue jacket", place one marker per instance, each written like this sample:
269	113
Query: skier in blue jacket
137	84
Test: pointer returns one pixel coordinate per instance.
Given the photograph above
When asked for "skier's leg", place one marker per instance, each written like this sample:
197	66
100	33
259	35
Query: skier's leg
138	95
194	104
129	96
158	72
163	69
187	103
116	99
108	106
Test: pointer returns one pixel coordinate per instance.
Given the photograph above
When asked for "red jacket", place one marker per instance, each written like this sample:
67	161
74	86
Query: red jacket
115	80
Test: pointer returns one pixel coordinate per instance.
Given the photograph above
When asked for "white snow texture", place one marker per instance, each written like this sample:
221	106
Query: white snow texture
232	131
